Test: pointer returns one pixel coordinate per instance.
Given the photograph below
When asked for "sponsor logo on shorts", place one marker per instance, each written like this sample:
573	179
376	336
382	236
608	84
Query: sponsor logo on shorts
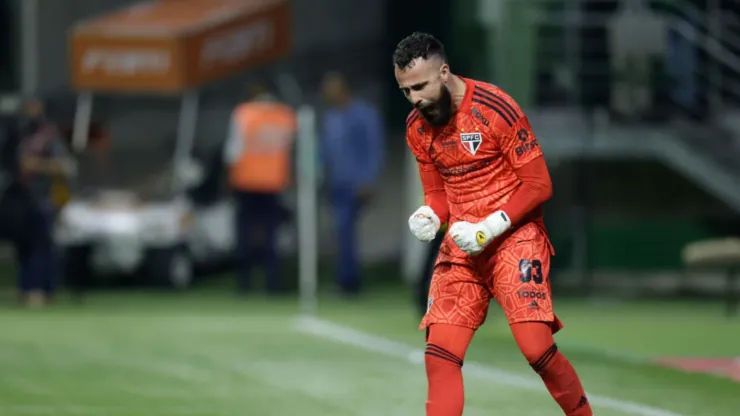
531	294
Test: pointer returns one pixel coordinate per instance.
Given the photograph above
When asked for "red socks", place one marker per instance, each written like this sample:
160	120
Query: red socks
446	347
536	343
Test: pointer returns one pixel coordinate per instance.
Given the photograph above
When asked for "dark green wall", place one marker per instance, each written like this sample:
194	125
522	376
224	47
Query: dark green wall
402	19
640	214
9	45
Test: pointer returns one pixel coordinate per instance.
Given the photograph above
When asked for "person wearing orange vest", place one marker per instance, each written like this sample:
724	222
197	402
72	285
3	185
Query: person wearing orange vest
258	156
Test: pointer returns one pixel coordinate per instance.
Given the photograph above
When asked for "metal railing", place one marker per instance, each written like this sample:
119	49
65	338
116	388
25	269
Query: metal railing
577	64
574	67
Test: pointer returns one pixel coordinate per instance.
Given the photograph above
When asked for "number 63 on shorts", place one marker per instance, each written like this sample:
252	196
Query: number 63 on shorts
518	279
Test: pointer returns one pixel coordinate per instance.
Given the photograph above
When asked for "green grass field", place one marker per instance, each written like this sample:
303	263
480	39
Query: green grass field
210	353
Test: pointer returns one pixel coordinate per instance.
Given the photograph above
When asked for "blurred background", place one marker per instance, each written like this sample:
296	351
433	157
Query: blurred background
154	256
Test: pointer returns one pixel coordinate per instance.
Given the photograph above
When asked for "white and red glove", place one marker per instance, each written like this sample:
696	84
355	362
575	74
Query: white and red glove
472	238
424	224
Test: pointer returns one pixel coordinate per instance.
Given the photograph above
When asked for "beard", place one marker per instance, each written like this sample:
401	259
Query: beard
438	113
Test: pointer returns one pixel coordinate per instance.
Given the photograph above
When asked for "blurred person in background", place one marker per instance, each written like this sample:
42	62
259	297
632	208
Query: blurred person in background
43	158
352	154
258	153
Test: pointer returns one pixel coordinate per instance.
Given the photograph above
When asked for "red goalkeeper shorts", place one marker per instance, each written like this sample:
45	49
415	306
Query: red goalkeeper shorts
516	274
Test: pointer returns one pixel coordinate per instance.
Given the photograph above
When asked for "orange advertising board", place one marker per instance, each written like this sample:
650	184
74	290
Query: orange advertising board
168	46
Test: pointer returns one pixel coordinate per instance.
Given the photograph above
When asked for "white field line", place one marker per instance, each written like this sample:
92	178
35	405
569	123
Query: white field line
81	410
349	336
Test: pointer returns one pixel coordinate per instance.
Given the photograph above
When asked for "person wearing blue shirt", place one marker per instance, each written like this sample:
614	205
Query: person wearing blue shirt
352	155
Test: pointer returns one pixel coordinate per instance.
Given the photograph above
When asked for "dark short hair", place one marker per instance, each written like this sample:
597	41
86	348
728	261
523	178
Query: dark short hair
417	45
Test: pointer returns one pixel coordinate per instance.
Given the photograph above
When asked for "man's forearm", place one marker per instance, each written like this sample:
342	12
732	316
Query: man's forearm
437	200
435	195
536	189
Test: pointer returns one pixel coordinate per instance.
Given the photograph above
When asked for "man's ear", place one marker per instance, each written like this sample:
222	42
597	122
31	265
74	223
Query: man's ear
444	72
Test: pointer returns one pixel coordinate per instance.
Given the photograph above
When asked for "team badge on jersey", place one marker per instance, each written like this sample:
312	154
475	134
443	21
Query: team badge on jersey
471	141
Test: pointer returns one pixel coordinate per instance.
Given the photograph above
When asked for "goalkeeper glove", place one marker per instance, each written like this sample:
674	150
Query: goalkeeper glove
472	238
424	224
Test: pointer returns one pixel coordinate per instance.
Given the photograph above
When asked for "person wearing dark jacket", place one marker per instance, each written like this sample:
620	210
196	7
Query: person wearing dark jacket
42	157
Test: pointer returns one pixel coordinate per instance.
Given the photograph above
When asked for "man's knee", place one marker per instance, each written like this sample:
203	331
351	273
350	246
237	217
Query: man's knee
448	342
536	343
443	357
438	358
540	358
534	351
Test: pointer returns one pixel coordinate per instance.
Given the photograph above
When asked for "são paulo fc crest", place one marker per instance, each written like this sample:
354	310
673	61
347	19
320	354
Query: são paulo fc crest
471	141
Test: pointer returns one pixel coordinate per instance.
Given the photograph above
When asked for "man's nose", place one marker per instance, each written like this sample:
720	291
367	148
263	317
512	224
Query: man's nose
415	100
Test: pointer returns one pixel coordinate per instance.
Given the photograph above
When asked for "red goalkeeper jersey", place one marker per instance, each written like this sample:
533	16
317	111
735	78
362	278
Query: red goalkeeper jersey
469	167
